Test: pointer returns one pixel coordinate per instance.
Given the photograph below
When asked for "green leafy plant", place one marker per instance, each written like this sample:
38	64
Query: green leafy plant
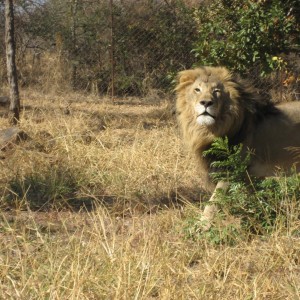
260	205
229	162
227	234
244	34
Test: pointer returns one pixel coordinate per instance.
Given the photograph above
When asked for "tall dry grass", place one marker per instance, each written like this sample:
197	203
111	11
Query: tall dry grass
125	164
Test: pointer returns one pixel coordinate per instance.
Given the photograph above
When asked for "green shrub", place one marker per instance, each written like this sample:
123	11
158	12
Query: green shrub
244	34
229	162
261	205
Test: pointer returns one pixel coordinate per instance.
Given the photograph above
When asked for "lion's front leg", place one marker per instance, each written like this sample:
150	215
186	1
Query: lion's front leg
211	209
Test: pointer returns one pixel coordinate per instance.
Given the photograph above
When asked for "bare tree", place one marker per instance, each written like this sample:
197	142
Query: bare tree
74	10
14	107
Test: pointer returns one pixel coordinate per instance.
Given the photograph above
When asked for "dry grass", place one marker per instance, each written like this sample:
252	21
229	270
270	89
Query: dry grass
125	163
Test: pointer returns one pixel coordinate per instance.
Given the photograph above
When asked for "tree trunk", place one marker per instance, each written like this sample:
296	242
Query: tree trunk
74	7
112	51
14	108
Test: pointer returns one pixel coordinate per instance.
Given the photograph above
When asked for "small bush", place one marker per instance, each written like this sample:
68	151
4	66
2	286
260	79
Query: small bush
261	206
229	163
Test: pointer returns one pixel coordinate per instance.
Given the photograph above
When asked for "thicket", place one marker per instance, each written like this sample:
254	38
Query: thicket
79	43
245	35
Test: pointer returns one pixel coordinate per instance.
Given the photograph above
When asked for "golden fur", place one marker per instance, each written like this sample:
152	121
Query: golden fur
212	102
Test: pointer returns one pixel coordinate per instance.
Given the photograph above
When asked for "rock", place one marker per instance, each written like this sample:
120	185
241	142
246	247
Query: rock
4	101
11	135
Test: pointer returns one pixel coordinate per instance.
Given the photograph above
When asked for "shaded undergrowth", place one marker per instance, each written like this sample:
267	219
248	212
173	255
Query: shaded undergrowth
62	187
56	186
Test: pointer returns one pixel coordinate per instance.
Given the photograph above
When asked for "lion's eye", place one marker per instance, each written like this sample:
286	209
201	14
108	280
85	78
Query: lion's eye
197	90
216	92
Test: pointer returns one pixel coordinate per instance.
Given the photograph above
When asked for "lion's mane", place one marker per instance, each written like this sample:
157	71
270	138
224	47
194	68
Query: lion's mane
237	122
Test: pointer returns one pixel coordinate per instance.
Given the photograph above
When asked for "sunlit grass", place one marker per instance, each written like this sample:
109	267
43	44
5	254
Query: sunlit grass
102	202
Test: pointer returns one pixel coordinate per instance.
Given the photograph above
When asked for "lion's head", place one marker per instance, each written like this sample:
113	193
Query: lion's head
205	95
212	102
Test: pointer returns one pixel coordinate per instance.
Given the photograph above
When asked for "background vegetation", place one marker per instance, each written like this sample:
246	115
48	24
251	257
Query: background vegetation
79	43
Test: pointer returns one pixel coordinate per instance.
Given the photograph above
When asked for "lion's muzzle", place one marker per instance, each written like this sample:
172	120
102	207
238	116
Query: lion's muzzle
206	103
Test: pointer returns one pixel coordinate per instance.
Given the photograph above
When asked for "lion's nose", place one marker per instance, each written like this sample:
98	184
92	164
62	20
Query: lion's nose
206	103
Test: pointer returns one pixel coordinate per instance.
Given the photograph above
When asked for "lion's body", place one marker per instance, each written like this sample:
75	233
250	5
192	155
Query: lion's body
212	103
276	141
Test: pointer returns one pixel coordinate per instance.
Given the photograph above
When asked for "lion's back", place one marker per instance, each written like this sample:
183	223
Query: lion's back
276	141
291	110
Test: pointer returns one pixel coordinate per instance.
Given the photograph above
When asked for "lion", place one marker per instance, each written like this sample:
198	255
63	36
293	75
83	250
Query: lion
213	102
